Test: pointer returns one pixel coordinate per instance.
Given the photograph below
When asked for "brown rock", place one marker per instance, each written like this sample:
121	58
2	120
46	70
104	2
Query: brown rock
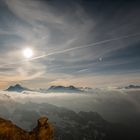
9	131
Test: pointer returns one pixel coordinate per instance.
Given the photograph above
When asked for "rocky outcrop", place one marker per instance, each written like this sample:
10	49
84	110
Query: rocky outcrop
43	131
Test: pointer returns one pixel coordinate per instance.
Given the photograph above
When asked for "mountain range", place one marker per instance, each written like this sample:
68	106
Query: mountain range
68	125
62	89
69	89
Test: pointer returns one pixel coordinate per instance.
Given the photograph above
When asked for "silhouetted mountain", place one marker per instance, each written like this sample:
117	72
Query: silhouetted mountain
64	89
69	89
132	87
17	88
9	131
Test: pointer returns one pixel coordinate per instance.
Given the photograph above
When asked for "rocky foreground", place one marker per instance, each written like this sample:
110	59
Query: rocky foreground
9	131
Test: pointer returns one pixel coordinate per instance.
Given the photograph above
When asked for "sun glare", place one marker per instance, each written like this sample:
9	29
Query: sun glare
28	53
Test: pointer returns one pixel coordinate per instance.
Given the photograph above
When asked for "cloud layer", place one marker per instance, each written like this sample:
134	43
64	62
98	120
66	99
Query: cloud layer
117	105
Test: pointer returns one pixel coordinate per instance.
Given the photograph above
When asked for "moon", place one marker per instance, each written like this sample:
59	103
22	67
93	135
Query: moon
27	52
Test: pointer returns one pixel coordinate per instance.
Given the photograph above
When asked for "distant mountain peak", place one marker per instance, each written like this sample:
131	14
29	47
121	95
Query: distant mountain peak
18	85
132	87
70	88
17	88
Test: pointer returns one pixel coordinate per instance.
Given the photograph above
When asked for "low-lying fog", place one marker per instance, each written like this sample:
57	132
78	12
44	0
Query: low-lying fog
113	105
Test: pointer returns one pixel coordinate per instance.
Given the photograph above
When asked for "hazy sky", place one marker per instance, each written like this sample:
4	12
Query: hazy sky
75	42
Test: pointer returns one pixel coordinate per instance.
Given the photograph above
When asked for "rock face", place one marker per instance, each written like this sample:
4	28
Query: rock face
9	131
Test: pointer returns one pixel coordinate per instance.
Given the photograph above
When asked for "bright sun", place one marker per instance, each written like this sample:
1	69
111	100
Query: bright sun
28	53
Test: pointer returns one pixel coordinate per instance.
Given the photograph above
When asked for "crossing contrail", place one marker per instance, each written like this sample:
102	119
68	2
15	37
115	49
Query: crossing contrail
87	45
71	49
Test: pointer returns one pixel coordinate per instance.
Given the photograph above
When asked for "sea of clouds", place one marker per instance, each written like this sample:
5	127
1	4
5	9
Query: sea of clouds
116	105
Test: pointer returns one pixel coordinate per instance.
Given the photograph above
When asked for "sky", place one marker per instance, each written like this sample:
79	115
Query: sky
85	43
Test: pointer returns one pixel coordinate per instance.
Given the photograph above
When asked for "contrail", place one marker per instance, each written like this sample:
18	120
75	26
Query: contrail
71	49
85	46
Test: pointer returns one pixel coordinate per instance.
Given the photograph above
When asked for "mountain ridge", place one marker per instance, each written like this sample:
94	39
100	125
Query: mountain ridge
17	88
132	87
70	89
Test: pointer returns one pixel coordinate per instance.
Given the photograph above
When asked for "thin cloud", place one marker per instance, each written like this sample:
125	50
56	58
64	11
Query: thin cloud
61	34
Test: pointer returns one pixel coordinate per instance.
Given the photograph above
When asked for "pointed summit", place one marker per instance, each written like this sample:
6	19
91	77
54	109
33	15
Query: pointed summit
17	88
